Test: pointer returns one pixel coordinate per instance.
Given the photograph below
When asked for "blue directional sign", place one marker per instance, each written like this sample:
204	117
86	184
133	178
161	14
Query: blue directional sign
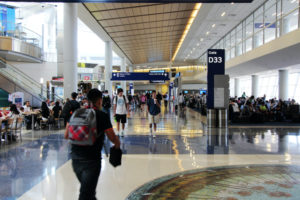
136	76
157	81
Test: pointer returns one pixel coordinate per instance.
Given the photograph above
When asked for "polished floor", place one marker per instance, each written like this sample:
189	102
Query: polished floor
39	168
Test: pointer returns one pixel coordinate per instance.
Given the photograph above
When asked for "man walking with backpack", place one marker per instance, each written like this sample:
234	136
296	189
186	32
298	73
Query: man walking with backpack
154	111
120	110
86	134
106	103
70	107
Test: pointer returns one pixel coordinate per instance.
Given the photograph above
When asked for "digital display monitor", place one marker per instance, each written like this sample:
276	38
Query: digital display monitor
202	92
185	92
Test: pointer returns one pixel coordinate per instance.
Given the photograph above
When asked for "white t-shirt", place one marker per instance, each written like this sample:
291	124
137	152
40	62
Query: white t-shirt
121	105
180	99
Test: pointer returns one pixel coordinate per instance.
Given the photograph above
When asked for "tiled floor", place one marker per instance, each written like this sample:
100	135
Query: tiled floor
40	169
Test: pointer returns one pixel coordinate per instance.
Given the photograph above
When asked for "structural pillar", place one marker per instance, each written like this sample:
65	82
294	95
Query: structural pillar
108	67
123	69
60	39
236	87
131	82
70	49
255	83
283	80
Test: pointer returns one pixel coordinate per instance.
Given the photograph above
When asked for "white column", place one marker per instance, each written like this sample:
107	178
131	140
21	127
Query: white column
108	67
123	69
60	39
283	80
70	49
255	83
237	87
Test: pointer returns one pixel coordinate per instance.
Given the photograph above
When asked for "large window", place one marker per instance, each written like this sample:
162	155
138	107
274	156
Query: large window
294	86
290	19
268	85
270	21
258	27
249	32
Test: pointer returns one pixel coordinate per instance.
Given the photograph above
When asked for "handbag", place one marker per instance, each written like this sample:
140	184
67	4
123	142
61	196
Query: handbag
115	157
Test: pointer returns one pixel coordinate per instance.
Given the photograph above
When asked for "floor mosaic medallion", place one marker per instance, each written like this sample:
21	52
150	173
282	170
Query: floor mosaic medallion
251	182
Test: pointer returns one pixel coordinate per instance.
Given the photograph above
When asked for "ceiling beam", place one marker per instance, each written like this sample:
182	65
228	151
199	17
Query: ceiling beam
154	21
145	15
142	38
138	29
146	33
130	7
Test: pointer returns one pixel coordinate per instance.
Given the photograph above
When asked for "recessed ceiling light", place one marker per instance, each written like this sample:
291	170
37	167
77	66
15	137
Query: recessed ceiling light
198	44
232	3
207	32
213	25
201	39
222	15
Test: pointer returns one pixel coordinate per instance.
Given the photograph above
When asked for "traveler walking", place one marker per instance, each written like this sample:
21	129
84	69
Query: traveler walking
153	113
85	154
120	110
106	103
143	100
181	102
70	107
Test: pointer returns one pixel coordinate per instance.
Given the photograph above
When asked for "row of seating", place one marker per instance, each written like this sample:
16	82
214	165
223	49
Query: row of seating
10	129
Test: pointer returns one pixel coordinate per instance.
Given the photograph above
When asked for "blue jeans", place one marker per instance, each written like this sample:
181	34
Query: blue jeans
87	172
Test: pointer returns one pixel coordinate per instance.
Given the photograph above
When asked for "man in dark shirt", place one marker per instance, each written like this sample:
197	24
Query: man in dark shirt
154	111
86	160
70	108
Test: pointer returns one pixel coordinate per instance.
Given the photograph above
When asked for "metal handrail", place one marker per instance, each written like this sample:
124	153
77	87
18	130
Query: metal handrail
12	72
254	33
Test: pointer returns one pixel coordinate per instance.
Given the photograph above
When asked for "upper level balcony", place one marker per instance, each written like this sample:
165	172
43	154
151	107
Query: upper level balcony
20	44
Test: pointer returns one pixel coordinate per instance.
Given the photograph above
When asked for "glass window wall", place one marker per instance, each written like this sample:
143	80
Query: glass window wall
258	27
249	33
290	17
270	21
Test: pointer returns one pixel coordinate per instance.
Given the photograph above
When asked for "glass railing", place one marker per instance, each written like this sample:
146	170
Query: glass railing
262	33
20	32
25	82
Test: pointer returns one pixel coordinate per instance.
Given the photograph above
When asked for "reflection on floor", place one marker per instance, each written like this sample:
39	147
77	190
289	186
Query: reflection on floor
233	182
39	168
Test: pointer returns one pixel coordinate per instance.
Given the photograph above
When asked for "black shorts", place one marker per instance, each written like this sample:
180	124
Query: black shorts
121	118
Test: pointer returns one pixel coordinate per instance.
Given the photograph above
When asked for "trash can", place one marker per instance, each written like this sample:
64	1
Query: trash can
222	118
211	118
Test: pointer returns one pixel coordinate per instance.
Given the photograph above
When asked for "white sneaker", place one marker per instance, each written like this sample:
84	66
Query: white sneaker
154	135
150	133
122	133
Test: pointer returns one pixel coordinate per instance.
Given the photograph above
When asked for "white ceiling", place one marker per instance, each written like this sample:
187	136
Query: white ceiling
208	15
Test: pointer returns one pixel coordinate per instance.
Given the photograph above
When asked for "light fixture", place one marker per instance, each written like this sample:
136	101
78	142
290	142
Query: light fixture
201	39
232	3
222	15
198	44
213	25
187	27
41	80
207	33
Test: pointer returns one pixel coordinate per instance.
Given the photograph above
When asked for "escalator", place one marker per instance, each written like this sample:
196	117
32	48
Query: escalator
13	80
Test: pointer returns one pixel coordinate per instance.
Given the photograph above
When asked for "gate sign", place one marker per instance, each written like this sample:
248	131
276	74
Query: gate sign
136	76
215	65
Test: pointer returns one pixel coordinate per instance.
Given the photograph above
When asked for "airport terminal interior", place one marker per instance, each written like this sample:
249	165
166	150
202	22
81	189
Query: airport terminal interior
219	82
